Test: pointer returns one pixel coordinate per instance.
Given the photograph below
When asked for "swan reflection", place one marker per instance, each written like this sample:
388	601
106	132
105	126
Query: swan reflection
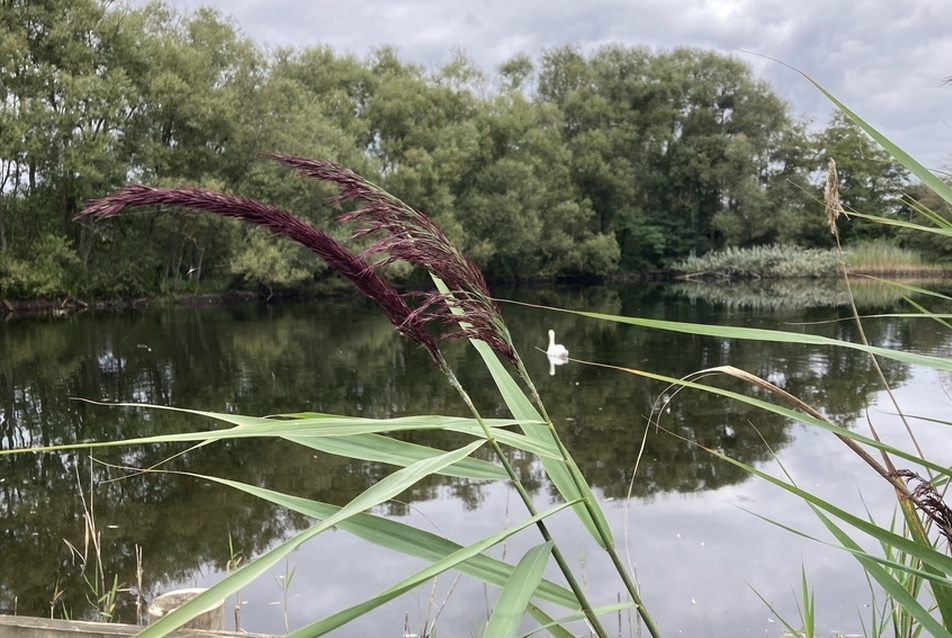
555	361
556	353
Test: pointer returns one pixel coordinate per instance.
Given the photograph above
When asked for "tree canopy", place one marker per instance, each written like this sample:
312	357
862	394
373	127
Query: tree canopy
619	161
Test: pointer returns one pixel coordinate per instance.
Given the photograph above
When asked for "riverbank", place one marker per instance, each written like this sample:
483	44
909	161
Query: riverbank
10	308
787	267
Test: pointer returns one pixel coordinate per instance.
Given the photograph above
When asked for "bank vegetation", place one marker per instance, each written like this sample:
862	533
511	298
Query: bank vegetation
618	162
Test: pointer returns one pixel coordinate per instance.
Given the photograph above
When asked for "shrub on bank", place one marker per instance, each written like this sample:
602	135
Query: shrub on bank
761	262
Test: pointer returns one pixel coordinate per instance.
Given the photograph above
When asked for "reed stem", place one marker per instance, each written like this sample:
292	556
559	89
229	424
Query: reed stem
573	584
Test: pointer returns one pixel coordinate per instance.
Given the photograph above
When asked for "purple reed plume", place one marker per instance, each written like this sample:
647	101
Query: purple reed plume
412	236
408	321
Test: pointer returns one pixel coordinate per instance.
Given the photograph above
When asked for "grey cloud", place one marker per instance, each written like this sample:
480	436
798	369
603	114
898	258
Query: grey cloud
885	58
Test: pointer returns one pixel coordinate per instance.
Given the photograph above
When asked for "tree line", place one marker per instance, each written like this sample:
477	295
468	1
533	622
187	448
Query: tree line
619	161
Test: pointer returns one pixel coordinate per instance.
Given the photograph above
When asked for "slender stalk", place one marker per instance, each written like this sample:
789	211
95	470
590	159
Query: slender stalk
573	584
606	538
578	479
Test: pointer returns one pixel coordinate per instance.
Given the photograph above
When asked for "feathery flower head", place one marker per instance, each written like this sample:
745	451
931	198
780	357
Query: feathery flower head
928	500
831	196
281	222
410	235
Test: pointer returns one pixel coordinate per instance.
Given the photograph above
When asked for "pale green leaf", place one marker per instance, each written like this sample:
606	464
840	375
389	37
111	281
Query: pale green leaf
381	491
382	449
759	334
925	175
515	596
534	426
405	539
450	562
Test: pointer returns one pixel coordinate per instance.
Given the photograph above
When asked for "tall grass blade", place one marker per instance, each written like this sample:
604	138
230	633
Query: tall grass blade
535	427
890	584
808	612
941	563
928	213
944	231
340	618
792	414
326	426
888	561
382	449
925	175
757	334
471	427
515	596
940	592
555	626
376	494
790	628
405	539
872	565
925	312
914	290
557	469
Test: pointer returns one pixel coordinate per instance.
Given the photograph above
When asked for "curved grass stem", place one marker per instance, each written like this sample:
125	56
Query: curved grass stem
607	541
570	579
579	480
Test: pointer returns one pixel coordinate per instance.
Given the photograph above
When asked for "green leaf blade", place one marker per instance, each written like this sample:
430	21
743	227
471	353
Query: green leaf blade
376	494
515	596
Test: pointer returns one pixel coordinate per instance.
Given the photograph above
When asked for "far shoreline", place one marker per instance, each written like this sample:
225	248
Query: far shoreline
11	308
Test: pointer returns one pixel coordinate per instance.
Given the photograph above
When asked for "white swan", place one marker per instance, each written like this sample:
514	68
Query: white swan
556	350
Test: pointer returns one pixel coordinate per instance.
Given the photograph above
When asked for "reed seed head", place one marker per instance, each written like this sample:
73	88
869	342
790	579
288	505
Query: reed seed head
831	196
409	322
406	233
928	500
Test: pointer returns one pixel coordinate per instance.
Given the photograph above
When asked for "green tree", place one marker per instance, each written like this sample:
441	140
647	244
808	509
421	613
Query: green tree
67	103
625	159
870	181
517	202
676	151
423	132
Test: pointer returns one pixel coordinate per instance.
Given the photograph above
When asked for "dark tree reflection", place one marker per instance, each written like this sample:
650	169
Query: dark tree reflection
342	357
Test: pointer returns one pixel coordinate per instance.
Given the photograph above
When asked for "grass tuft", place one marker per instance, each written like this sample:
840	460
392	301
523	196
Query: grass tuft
885	259
760	262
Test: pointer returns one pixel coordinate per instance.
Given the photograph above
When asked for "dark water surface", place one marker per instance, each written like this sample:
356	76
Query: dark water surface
690	529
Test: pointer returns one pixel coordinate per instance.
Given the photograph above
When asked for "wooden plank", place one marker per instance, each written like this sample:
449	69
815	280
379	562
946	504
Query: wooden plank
211	619
25	627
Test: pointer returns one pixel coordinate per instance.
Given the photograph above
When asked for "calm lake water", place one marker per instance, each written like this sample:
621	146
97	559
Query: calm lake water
692	528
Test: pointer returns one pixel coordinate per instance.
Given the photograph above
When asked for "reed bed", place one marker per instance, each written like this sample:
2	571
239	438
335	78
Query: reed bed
760	262
883	259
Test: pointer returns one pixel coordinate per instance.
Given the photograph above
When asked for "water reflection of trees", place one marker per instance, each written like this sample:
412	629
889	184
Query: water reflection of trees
797	294
606	411
341	357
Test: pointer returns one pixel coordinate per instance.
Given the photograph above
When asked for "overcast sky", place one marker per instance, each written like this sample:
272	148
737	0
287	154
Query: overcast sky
885	58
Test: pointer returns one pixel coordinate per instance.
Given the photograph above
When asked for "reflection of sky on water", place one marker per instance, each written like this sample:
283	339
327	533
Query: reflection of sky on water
699	557
346	359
